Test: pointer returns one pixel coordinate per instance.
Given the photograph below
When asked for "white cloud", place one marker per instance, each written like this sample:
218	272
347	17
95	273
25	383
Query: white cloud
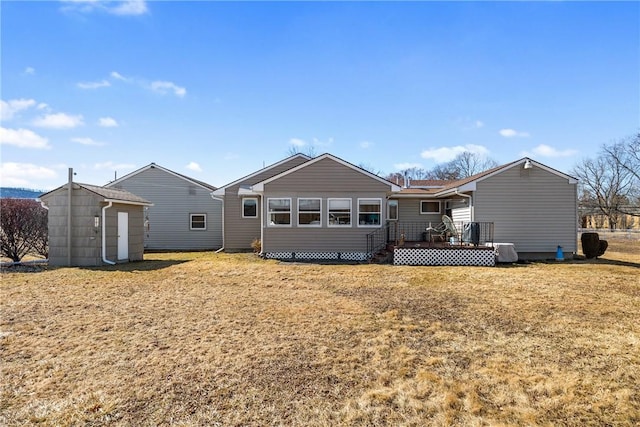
544	150
122	8
23	138
194	167
446	154
403	166
130	7
366	144
113	166
297	142
88	141
58	121
512	133
18	174
164	87
8	109
93	85
107	122
479	124
116	75
30	70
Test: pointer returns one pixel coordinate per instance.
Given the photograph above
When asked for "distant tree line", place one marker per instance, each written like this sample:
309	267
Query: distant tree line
23	228
610	182
462	166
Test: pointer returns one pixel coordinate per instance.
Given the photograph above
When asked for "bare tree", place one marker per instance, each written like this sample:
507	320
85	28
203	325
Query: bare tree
605	186
468	164
22	228
626	154
310	151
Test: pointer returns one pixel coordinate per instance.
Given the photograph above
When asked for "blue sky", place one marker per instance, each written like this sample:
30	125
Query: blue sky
216	90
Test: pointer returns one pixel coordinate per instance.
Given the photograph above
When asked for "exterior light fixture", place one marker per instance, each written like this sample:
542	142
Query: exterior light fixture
527	164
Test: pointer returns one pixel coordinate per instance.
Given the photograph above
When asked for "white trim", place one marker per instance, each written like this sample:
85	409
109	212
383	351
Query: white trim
269	212
372	199
191	215
260	185
126	202
242	191
389	209
430	212
220	191
350	212
319	224
249	198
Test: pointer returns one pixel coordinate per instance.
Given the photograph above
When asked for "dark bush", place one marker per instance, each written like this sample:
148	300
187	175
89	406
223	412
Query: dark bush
23	228
592	246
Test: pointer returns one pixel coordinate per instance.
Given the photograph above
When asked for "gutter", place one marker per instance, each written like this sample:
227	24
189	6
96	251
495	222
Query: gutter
470	204
104	234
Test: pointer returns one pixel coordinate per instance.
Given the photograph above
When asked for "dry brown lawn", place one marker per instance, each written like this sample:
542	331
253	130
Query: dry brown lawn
219	339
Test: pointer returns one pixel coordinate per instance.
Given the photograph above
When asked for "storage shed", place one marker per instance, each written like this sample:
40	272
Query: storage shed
92	226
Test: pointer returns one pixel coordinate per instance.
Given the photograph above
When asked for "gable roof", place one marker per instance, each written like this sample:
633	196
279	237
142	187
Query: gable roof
221	190
469	183
108	194
155	166
260	185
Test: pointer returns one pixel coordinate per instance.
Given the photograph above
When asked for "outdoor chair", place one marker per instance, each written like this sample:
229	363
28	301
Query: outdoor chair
451	229
439	231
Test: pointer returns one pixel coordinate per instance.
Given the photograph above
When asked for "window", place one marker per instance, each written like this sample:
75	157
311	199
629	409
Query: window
429	207
249	207
339	212
392	210
279	211
369	211
198	221
309	212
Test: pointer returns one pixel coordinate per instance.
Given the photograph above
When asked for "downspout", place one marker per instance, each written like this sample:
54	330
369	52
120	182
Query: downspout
471	207
104	234
262	222
221	199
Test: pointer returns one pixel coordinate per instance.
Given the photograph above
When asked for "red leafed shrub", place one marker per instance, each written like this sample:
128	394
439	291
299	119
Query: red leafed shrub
23	228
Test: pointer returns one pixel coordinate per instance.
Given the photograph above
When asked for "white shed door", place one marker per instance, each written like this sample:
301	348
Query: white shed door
123	235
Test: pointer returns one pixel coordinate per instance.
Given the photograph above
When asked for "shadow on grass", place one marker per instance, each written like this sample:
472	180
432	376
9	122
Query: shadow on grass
145	265
597	261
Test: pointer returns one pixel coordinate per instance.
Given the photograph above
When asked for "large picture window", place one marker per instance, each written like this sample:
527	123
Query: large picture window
279	211
309	212
198	221
339	212
250	207
369	212
429	207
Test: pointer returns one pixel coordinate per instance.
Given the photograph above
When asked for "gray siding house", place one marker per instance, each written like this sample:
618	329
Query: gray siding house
530	205
184	215
323	208
242	214
105	226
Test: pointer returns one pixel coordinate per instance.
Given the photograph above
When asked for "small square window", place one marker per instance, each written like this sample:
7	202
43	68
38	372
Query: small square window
249	207
198	221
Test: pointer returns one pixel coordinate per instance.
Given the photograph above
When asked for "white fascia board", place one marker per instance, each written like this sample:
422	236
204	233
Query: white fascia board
218	193
126	202
246	177
247	192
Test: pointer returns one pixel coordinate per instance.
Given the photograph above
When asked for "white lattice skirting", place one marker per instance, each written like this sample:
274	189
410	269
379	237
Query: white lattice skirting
426	256
344	256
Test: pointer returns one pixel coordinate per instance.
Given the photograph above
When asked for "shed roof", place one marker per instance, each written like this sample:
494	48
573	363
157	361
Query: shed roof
152	166
108	194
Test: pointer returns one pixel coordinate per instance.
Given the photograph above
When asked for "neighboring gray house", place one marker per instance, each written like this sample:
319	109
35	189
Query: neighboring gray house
184	215
105	225
530	204
242	212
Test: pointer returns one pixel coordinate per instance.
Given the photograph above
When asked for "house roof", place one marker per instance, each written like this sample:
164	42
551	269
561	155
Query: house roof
221	190
152	166
468	184
108	194
260	185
